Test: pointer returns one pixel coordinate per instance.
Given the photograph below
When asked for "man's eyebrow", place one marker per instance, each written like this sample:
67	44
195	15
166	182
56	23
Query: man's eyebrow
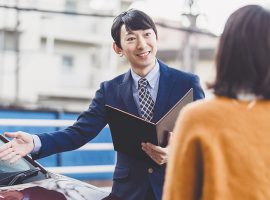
130	33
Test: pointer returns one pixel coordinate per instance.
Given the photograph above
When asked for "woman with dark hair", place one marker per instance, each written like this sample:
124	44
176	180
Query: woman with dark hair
221	146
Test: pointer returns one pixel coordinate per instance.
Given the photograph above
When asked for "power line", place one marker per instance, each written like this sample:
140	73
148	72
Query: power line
189	30
55	12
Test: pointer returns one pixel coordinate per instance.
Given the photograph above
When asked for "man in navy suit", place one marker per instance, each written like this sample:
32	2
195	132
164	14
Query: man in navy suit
135	37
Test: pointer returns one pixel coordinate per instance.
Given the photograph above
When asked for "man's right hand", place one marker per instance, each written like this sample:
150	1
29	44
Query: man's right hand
21	145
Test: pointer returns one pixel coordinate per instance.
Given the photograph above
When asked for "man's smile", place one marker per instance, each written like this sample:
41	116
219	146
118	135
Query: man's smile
144	54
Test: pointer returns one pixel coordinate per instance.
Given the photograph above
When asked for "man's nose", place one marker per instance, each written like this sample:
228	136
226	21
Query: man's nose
141	43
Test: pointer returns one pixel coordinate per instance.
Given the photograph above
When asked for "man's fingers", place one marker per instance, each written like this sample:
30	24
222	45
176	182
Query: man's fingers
154	148
159	160
5	147
157	149
18	135
17	147
15	158
149	146
5	151
8	145
156	153
9	156
170	137
146	149
23	136
11	134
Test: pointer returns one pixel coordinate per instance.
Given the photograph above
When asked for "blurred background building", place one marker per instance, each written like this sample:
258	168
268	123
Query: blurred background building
55	53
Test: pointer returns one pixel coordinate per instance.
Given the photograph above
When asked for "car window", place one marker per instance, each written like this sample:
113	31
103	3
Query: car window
6	167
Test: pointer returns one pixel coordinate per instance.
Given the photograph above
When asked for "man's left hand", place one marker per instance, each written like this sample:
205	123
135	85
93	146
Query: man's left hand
156	153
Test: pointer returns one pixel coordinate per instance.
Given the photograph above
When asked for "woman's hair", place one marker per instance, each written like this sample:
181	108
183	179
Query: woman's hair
133	20
243	55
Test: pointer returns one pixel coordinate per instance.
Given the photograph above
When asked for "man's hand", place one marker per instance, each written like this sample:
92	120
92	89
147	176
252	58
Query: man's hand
157	153
21	144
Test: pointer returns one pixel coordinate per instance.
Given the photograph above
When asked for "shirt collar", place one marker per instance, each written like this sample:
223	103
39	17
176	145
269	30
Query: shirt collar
151	77
247	96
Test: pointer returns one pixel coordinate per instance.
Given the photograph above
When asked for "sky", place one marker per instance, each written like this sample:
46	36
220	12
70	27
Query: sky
213	13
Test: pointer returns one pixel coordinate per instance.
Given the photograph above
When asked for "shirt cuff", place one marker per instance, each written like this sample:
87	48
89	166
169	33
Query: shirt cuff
37	144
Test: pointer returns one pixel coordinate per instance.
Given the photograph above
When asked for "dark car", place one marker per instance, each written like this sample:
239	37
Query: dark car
27	179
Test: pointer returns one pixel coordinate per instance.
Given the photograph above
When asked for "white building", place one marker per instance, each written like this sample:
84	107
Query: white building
60	60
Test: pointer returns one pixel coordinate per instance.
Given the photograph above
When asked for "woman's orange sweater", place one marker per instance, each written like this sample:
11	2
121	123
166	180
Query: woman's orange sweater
220	151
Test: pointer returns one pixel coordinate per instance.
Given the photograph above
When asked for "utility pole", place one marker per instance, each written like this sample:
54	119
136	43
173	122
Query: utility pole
17	54
190	51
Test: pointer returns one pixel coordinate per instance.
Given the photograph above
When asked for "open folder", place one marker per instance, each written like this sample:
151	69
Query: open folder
129	131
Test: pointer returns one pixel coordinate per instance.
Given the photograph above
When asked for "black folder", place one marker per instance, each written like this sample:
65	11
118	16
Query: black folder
129	131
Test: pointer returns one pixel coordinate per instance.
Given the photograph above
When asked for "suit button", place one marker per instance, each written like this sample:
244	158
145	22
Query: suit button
150	170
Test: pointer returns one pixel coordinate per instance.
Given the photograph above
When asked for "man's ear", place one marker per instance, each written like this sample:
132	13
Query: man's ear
117	49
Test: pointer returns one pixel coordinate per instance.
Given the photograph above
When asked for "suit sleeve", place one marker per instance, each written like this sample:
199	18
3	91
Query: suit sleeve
88	125
197	89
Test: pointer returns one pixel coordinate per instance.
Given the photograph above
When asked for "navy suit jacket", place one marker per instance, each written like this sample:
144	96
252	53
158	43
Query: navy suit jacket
131	177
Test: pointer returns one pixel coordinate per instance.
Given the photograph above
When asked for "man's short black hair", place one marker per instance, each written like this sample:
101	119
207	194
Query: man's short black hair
133	20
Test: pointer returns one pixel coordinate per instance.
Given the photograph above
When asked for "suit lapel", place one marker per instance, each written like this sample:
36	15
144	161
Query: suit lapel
165	86
125	92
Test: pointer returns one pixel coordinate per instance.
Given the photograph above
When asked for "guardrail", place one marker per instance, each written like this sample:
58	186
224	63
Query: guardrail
36	122
60	124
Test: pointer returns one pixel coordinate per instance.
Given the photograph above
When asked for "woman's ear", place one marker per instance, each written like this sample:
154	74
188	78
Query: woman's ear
117	49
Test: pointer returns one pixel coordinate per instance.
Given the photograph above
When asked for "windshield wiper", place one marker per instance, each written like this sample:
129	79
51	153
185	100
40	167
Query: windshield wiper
19	177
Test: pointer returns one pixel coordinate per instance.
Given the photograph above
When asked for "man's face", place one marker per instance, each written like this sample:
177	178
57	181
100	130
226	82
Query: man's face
139	47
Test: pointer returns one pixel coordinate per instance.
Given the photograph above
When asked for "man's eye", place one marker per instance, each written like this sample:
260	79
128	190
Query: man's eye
130	39
147	34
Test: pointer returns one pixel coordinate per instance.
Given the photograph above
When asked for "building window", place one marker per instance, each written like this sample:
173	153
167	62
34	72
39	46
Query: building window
67	63
7	40
71	5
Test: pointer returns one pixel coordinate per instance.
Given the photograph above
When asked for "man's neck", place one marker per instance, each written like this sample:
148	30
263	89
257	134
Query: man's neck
142	72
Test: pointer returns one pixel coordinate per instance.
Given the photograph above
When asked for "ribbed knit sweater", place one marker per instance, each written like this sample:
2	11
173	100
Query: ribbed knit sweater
220	150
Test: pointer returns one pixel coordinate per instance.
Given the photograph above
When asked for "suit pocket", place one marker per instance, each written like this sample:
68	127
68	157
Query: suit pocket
120	173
